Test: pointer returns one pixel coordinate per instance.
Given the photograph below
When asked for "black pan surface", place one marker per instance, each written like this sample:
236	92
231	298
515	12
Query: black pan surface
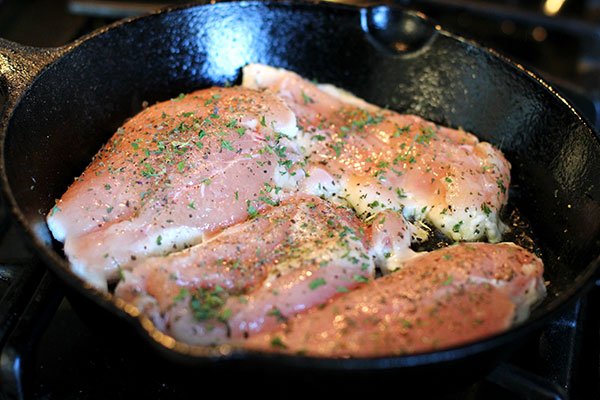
63	104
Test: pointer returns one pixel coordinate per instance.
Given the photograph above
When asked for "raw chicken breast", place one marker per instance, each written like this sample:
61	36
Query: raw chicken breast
440	299
256	215
390	239
377	159
253	275
177	171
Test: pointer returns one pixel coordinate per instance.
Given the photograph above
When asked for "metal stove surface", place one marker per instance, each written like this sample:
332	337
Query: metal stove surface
48	352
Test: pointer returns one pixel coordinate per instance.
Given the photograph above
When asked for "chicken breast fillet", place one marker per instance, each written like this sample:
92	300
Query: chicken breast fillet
440	299
251	276
177	171
255	215
377	159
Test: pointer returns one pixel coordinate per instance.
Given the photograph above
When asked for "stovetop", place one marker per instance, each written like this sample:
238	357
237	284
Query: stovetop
49	352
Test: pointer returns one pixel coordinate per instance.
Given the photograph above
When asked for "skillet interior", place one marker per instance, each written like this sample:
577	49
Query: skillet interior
79	101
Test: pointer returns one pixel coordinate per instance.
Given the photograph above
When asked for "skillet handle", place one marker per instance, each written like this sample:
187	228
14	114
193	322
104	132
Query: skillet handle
19	65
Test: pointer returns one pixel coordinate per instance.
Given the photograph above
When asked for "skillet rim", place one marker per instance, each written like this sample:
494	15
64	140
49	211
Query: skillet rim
170	348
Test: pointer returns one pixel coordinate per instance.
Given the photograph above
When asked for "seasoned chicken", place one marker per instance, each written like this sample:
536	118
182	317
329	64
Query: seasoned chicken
254	275
437	300
390	239
179	170
377	159
256	215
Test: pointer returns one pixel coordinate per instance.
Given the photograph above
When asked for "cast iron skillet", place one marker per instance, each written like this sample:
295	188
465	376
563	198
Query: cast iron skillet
63	104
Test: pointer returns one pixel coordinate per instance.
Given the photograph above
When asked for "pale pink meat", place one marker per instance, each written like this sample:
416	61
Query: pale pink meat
378	159
440	299
256	215
178	170
286	260
389	240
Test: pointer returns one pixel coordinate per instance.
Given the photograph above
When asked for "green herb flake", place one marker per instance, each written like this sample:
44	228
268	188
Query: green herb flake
306	99
486	209
251	210
342	289
277	342
159	240
501	186
448	179
427	133
180	97
226	144
263	121
181	166
225	314
448	280
241	131
373	204
107	186
276	312
337	147
316	283
400	130
183	293
109	209
192	205
360	278
456	227
212	99
406	323
206	304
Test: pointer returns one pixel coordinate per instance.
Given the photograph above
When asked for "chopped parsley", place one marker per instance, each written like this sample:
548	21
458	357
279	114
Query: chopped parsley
448	280
277	342
276	312
501	186
226	144
486	209
251	210
207	304
373	204
183	293
316	283
306	99
456	227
